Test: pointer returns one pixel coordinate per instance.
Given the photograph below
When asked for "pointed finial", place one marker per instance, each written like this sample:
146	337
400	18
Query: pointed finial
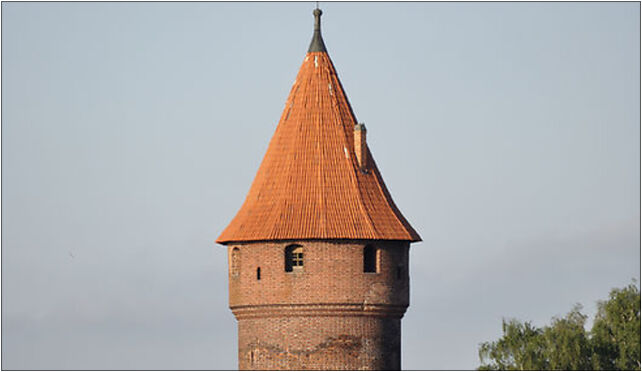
317	44
317	19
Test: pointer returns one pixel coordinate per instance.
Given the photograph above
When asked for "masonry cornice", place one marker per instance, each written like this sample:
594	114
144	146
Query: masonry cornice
334	309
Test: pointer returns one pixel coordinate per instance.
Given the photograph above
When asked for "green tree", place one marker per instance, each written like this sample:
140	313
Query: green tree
520	348
613	342
616	330
567	344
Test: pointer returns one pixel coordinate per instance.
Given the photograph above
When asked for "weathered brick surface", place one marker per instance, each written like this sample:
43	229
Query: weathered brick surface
320	343
328	315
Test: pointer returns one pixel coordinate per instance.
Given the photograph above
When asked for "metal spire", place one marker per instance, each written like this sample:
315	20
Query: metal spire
317	45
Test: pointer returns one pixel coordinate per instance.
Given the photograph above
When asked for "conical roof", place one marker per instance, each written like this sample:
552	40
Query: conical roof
310	185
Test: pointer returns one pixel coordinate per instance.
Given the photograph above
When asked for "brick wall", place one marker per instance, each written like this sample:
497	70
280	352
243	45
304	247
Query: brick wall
327	315
320	343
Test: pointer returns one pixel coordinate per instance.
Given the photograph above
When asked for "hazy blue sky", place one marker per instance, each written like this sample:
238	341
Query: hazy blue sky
507	133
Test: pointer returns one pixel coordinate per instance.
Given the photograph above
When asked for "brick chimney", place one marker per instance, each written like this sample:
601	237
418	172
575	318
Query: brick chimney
360	147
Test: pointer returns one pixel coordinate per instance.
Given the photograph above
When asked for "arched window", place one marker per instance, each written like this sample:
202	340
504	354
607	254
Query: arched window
370	259
293	258
235	262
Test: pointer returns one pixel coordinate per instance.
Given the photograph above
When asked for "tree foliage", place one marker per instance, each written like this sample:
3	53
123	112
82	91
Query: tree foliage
616	330
613	343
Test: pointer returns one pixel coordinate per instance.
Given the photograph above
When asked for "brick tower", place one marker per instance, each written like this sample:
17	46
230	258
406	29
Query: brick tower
318	253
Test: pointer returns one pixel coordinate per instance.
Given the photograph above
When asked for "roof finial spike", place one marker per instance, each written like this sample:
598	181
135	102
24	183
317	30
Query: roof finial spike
317	19
317	44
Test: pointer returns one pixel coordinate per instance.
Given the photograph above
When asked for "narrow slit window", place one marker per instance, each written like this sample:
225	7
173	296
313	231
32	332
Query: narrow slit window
235	264
258	273
370	255
293	258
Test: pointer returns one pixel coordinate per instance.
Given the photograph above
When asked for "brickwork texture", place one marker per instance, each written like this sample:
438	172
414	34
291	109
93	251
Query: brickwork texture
326	315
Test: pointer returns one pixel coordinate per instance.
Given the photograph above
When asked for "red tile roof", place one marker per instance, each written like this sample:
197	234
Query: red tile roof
309	185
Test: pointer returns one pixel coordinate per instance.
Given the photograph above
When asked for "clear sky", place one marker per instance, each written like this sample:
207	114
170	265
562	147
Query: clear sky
507	133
